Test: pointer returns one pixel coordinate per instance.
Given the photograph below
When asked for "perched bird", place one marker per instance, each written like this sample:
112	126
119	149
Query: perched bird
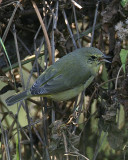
66	78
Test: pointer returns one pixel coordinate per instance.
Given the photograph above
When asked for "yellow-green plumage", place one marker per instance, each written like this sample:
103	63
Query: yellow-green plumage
66	78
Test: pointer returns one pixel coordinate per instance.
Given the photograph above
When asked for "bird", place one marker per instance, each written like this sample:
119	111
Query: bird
66	78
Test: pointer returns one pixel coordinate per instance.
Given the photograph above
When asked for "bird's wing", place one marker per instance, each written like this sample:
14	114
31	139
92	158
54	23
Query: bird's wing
43	79
53	81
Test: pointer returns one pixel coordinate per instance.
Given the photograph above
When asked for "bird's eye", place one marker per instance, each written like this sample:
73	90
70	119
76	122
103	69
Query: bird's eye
93	57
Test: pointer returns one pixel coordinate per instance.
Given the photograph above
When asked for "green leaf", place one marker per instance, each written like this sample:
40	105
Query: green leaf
124	3
5	52
17	148
123	57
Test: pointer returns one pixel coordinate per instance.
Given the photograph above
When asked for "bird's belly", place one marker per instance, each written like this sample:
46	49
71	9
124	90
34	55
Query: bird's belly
66	95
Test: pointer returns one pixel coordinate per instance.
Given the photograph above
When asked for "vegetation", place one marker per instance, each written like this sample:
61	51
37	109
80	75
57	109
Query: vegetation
35	34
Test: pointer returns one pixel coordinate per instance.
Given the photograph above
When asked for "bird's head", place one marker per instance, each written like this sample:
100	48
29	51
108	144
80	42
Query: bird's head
95	58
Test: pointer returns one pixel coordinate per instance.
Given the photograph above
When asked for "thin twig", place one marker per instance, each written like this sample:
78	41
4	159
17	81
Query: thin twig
18	135
45	138
7	145
118	77
53	47
94	23
56	15
79	110
45	32
3	4
30	131
65	145
77	29
10	22
25	61
35	50
76	155
76	4
53	60
69	29
24	45
18	57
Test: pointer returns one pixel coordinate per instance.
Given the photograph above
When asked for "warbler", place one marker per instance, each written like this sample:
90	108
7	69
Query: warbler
66	78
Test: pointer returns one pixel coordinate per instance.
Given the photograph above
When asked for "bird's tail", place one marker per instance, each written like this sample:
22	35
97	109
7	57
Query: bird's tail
18	97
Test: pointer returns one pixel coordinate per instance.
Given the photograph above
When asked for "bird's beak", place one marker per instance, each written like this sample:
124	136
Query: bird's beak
104	58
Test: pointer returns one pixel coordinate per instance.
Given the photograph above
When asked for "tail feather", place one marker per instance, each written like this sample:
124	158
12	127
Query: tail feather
18	97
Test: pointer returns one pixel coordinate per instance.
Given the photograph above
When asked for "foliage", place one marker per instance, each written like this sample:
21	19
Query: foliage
123	57
124	3
90	126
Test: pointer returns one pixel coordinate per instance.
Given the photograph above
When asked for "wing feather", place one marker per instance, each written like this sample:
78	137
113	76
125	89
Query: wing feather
60	76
